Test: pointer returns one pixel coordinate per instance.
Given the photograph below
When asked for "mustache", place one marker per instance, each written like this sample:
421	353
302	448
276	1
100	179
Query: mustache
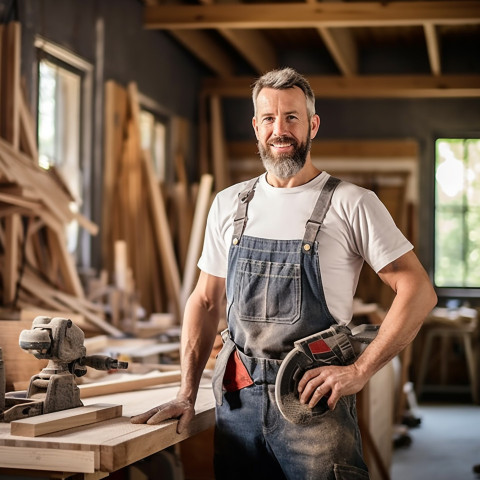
283	139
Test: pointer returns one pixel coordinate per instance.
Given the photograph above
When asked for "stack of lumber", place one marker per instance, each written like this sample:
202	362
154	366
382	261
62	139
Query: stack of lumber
159	227
38	272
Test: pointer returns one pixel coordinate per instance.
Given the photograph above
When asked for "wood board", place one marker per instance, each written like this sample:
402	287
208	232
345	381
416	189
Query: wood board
65	419
114	443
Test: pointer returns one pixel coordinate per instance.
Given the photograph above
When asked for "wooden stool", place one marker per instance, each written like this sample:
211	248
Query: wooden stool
445	325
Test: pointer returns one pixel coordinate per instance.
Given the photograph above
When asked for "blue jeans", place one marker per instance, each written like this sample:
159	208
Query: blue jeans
254	441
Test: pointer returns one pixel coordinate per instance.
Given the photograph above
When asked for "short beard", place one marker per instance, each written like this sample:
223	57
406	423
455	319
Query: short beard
285	165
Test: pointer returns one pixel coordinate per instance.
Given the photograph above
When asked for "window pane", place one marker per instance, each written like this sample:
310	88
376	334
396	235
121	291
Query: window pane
457	213
59	130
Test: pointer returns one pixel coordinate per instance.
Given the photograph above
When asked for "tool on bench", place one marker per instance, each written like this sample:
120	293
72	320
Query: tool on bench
61	342
337	345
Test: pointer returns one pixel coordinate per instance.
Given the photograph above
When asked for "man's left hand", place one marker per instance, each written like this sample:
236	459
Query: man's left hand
329	381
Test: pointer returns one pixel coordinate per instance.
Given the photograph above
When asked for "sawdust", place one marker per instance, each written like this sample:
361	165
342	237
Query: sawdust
295	411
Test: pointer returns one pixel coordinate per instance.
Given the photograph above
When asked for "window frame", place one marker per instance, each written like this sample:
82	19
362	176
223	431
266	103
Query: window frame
71	61
469	293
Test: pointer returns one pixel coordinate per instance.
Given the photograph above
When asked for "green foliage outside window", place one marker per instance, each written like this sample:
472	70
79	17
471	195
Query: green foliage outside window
457	213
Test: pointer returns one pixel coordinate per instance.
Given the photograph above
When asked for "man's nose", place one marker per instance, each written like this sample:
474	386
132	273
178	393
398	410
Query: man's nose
279	127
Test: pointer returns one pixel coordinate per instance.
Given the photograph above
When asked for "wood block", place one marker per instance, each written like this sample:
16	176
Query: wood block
65	419
31	458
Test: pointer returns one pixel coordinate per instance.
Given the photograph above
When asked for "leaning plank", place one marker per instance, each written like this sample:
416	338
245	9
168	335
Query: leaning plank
128	385
10	270
196	237
11	84
47	459
65	419
163	236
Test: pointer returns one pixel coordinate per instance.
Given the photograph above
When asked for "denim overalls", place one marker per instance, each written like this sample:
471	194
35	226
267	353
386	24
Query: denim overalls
275	297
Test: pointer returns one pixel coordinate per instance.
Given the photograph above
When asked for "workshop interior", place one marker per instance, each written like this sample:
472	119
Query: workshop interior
119	123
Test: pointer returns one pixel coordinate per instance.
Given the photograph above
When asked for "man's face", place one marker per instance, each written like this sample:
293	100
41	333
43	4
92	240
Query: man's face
283	130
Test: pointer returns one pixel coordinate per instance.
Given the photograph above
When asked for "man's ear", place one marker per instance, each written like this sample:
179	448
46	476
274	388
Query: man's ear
254	125
315	125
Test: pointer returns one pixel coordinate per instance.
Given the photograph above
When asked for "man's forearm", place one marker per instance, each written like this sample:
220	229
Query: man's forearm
199	329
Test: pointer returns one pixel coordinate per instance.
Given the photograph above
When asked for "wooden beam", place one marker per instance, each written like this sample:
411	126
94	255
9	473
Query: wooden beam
295	15
381	86
204	47
202	206
47	459
341	149
341	45
433	49
13	227
10	94
128	385
64	419
254	47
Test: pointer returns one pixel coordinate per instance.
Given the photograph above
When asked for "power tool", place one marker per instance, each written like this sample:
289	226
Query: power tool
61	342
337	345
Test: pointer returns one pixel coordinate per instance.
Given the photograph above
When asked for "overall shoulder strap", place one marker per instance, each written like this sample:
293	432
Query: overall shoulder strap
241	218
318	215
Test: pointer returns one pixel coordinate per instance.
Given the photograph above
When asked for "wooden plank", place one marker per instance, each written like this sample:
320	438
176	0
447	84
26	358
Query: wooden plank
65	419
204	198
363	86
28	136
218	144
128	384
31	458
163	236
115	118
311	15
11	256
11	84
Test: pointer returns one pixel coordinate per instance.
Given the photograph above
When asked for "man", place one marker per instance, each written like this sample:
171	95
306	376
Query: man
289	275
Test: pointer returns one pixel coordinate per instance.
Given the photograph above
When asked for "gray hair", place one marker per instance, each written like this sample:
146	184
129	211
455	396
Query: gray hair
282	79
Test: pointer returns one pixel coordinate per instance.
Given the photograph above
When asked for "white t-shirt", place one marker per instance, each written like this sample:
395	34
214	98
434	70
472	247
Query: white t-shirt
357	227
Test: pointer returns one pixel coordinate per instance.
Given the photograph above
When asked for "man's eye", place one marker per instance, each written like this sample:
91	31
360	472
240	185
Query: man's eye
267	119
292	117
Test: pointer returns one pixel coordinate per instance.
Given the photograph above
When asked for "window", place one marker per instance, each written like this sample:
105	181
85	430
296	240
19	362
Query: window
457	213
153	131
63	104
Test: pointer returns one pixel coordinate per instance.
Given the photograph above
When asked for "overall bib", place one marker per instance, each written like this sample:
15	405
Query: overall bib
275	297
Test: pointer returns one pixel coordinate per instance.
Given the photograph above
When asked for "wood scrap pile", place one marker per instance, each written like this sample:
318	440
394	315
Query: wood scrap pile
161	231
37	269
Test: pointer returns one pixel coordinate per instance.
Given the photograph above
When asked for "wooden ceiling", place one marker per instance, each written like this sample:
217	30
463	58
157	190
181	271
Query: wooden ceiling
346	48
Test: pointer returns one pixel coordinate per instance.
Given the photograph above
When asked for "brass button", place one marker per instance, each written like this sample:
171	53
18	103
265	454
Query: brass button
306	247
235	241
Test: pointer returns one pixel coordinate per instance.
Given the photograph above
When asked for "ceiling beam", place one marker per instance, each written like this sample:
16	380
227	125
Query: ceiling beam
311	15
381	86
431	37
342	48
201	45
254	47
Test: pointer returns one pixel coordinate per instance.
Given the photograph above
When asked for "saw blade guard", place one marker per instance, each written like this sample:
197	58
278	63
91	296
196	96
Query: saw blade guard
337	345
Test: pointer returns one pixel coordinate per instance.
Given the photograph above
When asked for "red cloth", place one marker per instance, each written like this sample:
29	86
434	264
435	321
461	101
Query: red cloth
236	375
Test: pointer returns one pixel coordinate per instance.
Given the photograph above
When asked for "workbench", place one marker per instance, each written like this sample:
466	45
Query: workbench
93	451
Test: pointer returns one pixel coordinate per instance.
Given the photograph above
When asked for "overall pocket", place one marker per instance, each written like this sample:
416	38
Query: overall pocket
268	291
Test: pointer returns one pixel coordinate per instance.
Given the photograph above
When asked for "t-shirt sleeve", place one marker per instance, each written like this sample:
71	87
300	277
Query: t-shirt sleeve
213	259
379	240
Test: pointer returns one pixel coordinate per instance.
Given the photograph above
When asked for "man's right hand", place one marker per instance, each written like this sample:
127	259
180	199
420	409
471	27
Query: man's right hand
178	408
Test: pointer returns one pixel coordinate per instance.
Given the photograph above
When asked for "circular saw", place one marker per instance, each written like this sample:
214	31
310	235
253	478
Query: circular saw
337	345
